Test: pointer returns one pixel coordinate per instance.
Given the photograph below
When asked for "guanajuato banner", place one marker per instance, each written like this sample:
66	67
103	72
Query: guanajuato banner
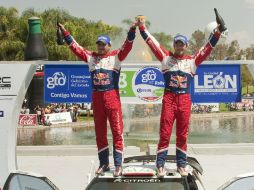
140	83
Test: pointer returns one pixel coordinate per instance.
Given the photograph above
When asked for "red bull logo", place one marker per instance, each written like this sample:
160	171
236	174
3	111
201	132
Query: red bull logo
101	79
101	76
178	81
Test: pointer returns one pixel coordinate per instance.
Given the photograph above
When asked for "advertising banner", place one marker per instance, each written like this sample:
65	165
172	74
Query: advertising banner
139	84
27	119
56	118
217	83
66	83
144	85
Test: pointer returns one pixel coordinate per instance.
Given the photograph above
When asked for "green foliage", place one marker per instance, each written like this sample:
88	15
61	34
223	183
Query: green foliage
219	52
164	39
246	76
247	90
197	40
14	31
127	22
11	47
233	50
250	52
223	107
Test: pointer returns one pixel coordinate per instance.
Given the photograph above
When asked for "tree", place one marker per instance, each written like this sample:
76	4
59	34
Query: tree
250	52
233	50
197	40
164	39
11	48
127	22
219	52
247	78
13	32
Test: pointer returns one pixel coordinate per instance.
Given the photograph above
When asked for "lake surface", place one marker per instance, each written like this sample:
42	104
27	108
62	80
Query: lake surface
145	131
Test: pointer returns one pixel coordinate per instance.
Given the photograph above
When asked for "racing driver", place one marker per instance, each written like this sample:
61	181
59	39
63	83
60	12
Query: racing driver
178	70
104	66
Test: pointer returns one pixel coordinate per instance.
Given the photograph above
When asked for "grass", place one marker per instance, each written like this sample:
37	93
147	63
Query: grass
85	118
250	89
223	107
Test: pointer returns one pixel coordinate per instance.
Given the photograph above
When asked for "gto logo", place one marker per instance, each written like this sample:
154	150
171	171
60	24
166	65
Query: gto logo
137	181
148	76
57	79
5	82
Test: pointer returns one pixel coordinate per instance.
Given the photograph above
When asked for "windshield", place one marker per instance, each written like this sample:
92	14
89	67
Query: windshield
25	182
172	184
246	183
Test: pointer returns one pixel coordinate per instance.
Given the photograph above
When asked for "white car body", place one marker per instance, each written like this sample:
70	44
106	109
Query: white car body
243	181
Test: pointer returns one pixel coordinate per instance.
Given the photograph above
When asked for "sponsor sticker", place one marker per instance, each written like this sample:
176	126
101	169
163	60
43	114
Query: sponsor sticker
148	84
5	82
139	180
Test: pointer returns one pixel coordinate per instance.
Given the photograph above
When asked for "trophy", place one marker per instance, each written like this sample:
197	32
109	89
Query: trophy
140	18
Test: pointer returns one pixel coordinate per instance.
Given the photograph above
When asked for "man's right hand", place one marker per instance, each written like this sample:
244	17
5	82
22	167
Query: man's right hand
61	27
140	21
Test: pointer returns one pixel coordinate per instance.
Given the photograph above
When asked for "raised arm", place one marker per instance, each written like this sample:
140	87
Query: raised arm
201	55
154	45
81	52
205	51
127	46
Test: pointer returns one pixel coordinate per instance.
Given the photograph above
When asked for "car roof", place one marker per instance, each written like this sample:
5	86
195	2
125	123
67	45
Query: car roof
171	170
245	175
147	162
229	182
27	173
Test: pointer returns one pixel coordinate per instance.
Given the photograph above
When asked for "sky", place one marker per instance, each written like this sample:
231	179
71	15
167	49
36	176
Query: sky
169	16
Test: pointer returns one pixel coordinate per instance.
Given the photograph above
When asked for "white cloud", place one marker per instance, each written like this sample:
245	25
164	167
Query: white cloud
243	37
250	3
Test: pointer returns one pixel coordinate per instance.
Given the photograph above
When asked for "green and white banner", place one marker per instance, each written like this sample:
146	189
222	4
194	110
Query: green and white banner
141	85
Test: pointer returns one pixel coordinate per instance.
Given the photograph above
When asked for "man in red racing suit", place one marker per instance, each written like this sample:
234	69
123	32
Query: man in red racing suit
105	66
178	70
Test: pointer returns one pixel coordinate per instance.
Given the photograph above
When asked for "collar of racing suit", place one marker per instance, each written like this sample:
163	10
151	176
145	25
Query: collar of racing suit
181	56
104	55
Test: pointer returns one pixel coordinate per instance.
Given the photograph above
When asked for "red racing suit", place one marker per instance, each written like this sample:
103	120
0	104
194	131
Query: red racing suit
178	73
105	73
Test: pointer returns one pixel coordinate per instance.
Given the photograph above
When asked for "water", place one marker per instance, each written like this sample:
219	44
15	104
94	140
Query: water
144	131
